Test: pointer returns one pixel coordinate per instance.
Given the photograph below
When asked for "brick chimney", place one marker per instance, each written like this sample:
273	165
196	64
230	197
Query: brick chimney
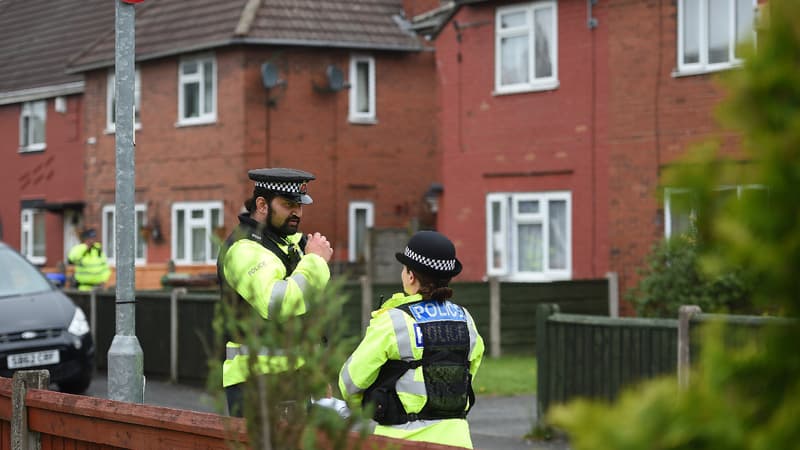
413	8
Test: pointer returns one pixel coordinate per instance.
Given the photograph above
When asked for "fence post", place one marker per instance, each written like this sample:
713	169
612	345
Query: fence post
21	437
685	314
366	302
543	361
173	332
93	312
613	294
494	316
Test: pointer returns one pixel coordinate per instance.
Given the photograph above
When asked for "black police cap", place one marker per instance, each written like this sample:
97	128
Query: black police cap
288	183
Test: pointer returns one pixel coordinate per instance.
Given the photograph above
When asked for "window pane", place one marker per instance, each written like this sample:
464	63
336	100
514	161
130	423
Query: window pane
745	16
543	19
517	19
362	84
109	237
198	244
514	60
557	222
191	97
718	31
140	242
497	241
215	222
38	234
180	239
529	250
691	31
208	88
26	131
528	206
198	214
360	233
189	68
38	130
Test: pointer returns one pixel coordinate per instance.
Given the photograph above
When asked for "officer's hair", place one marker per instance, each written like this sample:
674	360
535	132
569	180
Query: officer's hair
431	287
250	203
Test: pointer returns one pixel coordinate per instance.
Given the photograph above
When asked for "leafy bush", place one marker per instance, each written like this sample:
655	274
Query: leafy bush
672	278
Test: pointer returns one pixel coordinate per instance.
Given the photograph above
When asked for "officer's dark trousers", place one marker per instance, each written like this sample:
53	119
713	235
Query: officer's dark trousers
288	401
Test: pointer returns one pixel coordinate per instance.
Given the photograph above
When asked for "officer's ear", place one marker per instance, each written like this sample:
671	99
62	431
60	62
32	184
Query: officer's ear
262	205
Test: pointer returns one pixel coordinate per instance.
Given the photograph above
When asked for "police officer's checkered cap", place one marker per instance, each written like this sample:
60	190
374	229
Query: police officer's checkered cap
439	265
431	253
281	186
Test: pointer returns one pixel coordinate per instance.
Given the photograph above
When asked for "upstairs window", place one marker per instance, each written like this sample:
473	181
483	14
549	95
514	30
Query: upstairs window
361	217
526	47
32	239
362	89
709	32
193	226
111	101
32	125
197	91
529	236
109	234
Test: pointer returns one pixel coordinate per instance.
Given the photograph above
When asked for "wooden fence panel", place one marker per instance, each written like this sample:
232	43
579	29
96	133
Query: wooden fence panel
5	414
596	357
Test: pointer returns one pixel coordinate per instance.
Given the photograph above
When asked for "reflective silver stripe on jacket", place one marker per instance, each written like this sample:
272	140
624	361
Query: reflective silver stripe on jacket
279	293
473	333
349	386
232	352
406	383
416	424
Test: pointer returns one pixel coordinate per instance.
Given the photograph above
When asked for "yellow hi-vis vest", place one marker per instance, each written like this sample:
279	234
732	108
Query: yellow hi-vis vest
392	335
259	277
91	265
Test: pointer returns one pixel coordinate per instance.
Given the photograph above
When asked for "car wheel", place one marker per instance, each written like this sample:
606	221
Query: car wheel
78	385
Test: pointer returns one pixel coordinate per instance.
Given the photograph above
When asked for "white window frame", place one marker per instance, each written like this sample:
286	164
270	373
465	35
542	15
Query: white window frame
356	116
26	136
507	238
199	77
533	83
189	223
670	191
111	90
28	234
109	234
354	207
703	66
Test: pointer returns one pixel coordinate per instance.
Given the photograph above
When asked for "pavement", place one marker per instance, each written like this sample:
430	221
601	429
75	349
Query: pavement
496	423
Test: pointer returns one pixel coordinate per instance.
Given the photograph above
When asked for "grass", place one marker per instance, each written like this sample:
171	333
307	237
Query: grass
505	376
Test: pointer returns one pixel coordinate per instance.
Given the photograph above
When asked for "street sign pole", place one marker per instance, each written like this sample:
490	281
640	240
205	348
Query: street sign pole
125	357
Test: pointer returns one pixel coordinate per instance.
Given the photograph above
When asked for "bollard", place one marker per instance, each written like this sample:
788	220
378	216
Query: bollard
21	437
173	332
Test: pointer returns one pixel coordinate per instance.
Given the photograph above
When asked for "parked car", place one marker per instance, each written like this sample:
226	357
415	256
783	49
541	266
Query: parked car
40	327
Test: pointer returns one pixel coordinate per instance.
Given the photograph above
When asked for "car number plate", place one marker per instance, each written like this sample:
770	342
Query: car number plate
43	358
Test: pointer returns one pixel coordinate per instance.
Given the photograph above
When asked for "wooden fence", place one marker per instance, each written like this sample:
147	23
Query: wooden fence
597	357
46	420
185	355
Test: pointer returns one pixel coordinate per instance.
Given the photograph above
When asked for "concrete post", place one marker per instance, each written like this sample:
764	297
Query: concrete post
93	312
685	314
173	332
494	317
125	357
366	302
21	437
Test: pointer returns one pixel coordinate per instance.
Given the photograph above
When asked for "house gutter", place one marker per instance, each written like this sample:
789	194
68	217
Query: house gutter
39	93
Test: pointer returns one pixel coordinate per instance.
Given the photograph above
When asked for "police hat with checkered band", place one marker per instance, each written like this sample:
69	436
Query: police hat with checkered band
430	253
288	183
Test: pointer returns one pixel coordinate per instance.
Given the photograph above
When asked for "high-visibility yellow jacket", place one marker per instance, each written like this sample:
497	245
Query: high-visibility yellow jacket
250	271
393	335
91	265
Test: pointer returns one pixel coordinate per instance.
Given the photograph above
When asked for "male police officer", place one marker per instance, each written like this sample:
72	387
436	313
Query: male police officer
267	267
91	263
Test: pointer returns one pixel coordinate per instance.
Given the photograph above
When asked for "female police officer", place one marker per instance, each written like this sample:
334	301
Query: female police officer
415	365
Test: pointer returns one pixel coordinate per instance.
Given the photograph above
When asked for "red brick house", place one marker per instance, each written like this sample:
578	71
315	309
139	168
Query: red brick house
41	123
339	88
557	118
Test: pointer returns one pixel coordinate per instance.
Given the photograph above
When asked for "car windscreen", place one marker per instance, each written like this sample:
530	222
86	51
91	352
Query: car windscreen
18	276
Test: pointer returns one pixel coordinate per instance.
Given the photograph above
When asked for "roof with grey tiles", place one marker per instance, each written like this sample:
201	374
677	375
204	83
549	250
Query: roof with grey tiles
39	36
170	27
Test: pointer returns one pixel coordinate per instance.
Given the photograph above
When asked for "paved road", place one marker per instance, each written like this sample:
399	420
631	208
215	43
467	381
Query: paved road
496	423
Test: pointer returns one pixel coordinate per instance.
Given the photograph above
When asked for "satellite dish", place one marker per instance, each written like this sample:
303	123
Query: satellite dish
270	76
335	78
